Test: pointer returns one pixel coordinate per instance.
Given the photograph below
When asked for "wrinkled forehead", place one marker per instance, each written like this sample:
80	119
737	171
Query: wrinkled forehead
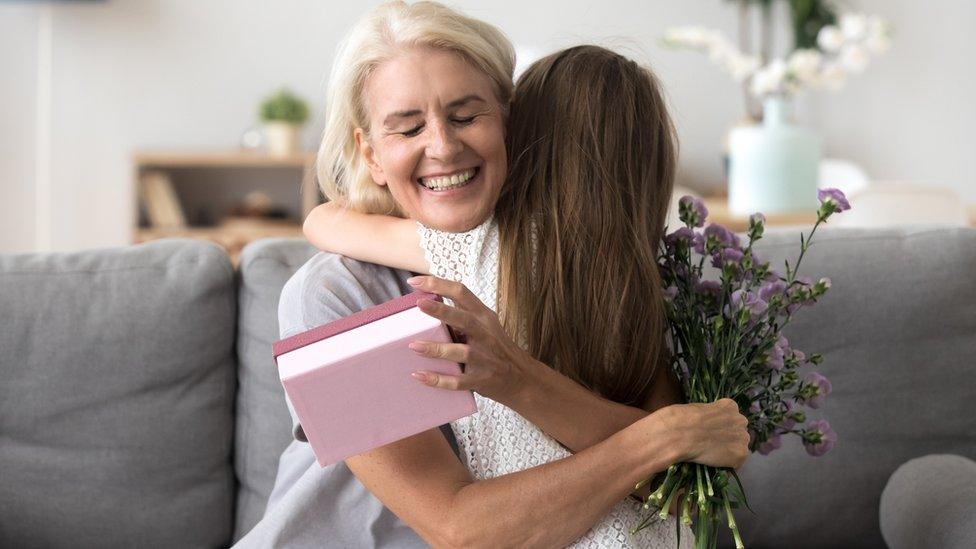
424	80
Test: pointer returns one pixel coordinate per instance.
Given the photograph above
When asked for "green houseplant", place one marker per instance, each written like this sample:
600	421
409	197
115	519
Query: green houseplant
283	115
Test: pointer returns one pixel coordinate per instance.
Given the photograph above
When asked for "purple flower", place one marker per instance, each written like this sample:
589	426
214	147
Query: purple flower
698	243
708	287
683	233
728	256
772	443
754	407
819	438
801	292
721	236
788	421
833	199
774	357
692	211
742	299
820	388
670	292
757	219
771	289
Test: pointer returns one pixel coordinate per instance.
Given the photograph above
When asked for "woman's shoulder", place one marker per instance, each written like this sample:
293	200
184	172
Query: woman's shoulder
330	286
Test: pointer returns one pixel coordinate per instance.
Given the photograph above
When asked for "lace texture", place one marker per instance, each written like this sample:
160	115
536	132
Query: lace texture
496	440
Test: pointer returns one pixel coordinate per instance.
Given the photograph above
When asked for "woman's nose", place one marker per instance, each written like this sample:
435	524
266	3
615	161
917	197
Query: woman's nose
442	143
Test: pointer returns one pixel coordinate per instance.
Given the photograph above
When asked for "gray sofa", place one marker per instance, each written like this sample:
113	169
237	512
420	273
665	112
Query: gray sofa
139	404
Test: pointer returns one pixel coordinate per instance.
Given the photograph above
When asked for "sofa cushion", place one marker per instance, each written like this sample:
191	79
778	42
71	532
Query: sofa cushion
897	331
117	397
263	422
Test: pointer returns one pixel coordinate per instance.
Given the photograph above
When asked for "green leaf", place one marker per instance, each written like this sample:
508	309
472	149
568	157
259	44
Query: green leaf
741	490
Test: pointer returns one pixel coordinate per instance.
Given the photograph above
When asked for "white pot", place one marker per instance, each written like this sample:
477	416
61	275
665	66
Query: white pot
283	138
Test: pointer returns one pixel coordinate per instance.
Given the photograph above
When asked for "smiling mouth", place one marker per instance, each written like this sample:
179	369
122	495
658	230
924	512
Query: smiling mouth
448	182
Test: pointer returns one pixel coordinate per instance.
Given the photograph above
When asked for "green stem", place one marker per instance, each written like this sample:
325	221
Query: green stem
732	525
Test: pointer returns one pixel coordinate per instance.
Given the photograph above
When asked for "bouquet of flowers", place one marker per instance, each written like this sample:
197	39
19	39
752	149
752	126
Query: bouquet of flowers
727	343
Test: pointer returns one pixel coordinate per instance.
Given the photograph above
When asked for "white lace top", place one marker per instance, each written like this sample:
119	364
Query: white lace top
496	440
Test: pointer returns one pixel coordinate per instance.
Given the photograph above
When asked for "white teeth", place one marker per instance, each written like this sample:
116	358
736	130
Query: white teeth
449	181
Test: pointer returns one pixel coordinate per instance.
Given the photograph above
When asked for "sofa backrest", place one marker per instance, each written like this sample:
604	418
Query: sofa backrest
263	424
898	334
117	382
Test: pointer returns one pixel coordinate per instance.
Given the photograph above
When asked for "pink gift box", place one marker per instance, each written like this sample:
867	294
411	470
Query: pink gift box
350	385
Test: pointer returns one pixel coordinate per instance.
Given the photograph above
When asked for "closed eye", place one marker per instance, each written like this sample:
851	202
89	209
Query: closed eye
413	131
464	121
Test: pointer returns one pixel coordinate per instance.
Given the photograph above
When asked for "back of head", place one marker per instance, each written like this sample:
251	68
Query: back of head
382	33
592	155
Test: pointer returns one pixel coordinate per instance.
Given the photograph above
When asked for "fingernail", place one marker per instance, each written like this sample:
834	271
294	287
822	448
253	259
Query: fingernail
419	347
419	376
415	280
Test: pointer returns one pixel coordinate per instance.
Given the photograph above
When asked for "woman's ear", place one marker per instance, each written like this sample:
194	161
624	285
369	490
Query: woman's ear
369	156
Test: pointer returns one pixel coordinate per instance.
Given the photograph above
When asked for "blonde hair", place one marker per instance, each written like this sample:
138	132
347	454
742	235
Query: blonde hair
377	37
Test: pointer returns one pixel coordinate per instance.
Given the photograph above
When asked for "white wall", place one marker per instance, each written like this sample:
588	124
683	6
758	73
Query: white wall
185	74
18	65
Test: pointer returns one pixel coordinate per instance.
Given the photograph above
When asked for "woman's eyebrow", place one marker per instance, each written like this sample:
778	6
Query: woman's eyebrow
464	100
399	115
394	116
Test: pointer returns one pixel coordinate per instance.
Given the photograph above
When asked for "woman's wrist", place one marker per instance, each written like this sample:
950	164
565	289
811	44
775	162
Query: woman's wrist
651	444
525	384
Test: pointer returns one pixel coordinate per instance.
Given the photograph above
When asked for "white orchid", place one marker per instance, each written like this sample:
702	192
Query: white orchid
843	48
832	77
877	40
854	57
854	26
804	65
830	39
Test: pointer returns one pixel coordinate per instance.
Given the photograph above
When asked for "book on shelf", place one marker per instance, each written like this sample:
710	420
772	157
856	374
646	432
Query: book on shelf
160	201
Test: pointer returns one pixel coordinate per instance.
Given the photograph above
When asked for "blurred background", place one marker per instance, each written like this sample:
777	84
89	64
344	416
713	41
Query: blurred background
126	120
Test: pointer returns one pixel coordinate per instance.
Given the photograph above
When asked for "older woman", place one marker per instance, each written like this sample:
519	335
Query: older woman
419	102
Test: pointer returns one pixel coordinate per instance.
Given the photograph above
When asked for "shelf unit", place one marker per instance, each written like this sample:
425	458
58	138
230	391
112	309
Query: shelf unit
190	172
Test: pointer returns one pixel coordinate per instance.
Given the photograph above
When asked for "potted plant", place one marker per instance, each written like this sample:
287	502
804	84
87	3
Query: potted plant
283	115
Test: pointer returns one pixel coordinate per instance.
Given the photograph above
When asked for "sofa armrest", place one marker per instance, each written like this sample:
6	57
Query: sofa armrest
929	502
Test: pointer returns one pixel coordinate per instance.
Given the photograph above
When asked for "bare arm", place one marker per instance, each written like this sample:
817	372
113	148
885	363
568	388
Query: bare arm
577	417
423	483
379	239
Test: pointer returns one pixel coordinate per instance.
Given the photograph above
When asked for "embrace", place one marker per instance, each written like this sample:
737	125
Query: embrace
536	209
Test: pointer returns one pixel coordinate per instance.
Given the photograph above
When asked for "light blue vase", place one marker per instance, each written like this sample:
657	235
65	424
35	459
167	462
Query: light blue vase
773	165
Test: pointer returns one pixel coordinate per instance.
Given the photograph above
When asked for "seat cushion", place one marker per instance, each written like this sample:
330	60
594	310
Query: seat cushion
116	401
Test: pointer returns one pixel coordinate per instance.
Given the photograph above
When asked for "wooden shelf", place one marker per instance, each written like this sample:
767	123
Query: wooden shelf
232	234
718	212
233	173
222	159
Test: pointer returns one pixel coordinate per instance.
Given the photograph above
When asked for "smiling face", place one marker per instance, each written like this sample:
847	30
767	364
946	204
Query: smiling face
435	138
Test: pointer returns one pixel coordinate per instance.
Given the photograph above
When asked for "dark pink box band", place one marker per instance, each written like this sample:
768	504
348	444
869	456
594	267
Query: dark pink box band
354	320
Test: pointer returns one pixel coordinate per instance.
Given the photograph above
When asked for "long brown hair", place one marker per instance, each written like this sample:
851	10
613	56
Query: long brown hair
592	155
